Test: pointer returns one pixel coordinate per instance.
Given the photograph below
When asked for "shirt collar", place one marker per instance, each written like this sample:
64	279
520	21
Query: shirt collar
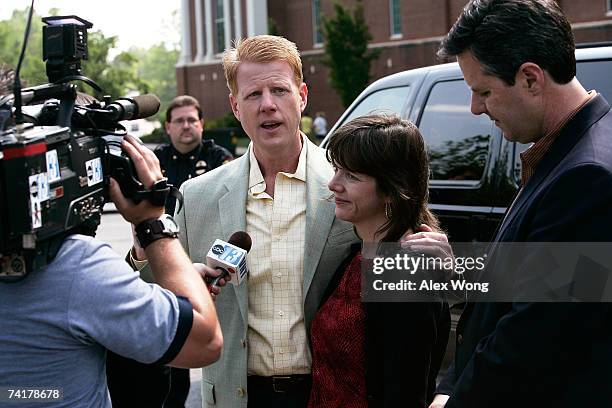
257	184
531	157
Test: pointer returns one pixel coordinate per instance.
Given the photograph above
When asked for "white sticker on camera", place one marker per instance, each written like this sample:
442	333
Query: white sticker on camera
94	171
39	187
43	186
36	214
53	168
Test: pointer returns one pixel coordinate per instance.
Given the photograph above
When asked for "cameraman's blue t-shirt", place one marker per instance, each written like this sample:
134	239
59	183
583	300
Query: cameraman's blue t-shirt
57	323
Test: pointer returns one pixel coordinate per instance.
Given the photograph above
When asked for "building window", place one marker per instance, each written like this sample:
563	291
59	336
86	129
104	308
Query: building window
220	27
395	18
316	22
609	6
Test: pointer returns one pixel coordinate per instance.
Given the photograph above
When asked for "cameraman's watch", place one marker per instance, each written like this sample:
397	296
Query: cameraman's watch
152	230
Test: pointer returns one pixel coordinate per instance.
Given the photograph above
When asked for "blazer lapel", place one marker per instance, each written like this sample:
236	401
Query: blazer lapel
319	213
566	140
232	216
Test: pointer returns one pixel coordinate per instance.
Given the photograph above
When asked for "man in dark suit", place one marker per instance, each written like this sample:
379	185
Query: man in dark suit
517	56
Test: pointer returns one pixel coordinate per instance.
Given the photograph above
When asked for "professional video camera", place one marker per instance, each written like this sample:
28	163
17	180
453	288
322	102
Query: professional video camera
58	153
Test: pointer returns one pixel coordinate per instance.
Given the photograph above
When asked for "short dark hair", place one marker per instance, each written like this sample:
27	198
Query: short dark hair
504	34
179	102
392	151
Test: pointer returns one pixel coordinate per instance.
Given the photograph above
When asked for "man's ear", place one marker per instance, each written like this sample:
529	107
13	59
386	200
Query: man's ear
531	77
234	105
303	96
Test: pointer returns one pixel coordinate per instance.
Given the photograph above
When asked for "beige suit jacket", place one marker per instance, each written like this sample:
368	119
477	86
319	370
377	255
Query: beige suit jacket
214	208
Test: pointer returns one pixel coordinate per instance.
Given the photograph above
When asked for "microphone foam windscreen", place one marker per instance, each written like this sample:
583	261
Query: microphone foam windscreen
148	105
242	240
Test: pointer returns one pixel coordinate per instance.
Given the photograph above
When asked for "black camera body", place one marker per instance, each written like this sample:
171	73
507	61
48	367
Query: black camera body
54	170
64	45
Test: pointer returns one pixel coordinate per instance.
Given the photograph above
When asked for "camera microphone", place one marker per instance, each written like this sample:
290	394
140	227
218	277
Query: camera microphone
138	107
230	257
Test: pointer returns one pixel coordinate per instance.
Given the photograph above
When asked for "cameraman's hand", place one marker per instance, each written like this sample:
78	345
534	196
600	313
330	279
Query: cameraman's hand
149	172
209	274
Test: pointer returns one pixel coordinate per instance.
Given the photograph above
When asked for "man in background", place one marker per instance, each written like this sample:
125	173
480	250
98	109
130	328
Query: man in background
186	156
306	126
320	126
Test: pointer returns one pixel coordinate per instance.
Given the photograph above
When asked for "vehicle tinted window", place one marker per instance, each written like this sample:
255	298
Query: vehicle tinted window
390	100
458	141
596	75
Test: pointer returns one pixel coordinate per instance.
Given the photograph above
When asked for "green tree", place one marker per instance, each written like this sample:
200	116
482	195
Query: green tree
11	40
156	67
115	78
346	51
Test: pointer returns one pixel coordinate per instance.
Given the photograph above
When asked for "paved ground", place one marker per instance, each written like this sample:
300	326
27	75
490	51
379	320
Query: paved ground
117	232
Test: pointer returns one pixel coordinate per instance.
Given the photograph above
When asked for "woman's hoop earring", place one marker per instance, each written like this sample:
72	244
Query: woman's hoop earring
388	210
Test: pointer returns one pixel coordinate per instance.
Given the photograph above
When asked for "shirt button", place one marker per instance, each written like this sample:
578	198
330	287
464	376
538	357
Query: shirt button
189	176
280	313
174	157
192	158
278	275
281	351
240	392
243	343
460	339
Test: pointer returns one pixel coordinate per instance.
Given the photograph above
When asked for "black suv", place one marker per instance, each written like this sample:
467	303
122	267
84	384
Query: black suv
475	171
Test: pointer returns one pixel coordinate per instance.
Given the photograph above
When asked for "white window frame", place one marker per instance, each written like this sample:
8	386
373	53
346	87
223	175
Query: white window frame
316	24
219	22
393	34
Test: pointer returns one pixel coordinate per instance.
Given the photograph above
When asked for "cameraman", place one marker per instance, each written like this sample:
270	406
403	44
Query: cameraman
186	156
59	321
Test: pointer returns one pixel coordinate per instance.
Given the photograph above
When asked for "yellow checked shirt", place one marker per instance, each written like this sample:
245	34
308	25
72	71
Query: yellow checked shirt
276	331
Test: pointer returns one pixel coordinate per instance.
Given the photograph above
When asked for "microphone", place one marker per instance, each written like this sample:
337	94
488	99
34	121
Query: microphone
230	257
138	107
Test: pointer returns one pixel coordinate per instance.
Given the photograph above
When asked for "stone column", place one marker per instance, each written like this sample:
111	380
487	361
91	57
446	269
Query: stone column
185	57
257	17
199	18
210	52
238	18
227	23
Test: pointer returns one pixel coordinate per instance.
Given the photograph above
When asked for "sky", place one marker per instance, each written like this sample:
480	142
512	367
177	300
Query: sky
140	23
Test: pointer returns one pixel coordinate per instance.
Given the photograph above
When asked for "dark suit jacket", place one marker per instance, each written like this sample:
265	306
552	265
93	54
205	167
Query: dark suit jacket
546	354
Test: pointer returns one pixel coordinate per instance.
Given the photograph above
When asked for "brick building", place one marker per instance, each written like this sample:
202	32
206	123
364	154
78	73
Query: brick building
406	31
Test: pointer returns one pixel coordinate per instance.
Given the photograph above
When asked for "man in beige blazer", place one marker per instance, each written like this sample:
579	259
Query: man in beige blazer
278	193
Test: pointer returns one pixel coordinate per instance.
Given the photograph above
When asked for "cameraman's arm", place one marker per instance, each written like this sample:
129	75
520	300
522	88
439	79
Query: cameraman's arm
170	265
173	270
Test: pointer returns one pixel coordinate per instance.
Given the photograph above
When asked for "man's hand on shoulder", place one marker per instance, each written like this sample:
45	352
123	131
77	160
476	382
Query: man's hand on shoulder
427	241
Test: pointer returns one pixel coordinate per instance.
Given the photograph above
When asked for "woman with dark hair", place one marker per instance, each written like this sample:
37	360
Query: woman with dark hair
377	354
